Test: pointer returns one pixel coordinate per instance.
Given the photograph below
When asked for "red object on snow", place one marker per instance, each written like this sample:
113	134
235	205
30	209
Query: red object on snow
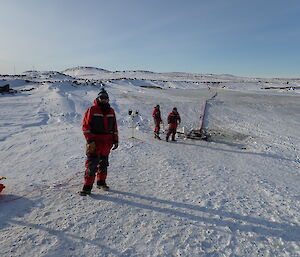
1	187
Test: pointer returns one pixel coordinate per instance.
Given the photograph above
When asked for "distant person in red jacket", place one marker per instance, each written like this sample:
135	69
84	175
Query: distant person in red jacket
173	121
100	129
157	120
1	185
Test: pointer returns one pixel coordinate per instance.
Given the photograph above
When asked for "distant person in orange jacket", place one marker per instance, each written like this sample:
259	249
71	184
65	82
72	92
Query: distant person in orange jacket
173	121
100	129
157	120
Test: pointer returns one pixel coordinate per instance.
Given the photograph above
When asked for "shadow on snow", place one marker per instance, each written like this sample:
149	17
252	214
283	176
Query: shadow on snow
257	225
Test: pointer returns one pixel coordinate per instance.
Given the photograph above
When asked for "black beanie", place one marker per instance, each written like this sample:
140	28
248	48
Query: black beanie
103	94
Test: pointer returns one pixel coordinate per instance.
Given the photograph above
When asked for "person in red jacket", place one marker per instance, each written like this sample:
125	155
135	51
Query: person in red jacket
173	121
1	185
100	129
157	120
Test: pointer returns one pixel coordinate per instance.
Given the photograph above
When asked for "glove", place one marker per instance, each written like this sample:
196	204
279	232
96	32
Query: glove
115	146
90	147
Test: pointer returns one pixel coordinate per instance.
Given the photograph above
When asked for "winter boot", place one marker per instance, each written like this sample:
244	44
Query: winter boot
101	184
86	190
167	139
156	135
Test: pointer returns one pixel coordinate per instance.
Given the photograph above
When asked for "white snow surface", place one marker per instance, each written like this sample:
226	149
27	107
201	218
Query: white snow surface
237	194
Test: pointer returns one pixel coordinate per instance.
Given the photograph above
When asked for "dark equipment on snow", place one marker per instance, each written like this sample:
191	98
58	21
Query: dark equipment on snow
201	133
133	114
198	134
4	89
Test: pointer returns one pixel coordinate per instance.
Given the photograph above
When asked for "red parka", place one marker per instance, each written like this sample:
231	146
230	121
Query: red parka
100	127
156	115
173	120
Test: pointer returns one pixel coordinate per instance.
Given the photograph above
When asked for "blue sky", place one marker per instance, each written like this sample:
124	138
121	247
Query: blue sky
239	37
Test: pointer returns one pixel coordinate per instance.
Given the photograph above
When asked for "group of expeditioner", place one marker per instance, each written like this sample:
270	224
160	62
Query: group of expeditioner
173	121
100	130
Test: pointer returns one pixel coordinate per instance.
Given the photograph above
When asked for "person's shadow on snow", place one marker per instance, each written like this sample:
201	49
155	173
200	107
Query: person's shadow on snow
236	148
13	206
227	219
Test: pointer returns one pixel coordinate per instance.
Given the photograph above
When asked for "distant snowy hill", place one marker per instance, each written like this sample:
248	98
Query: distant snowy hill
183	80
96	73
148	79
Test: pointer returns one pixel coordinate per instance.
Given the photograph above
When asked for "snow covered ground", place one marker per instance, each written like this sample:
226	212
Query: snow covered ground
236	195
